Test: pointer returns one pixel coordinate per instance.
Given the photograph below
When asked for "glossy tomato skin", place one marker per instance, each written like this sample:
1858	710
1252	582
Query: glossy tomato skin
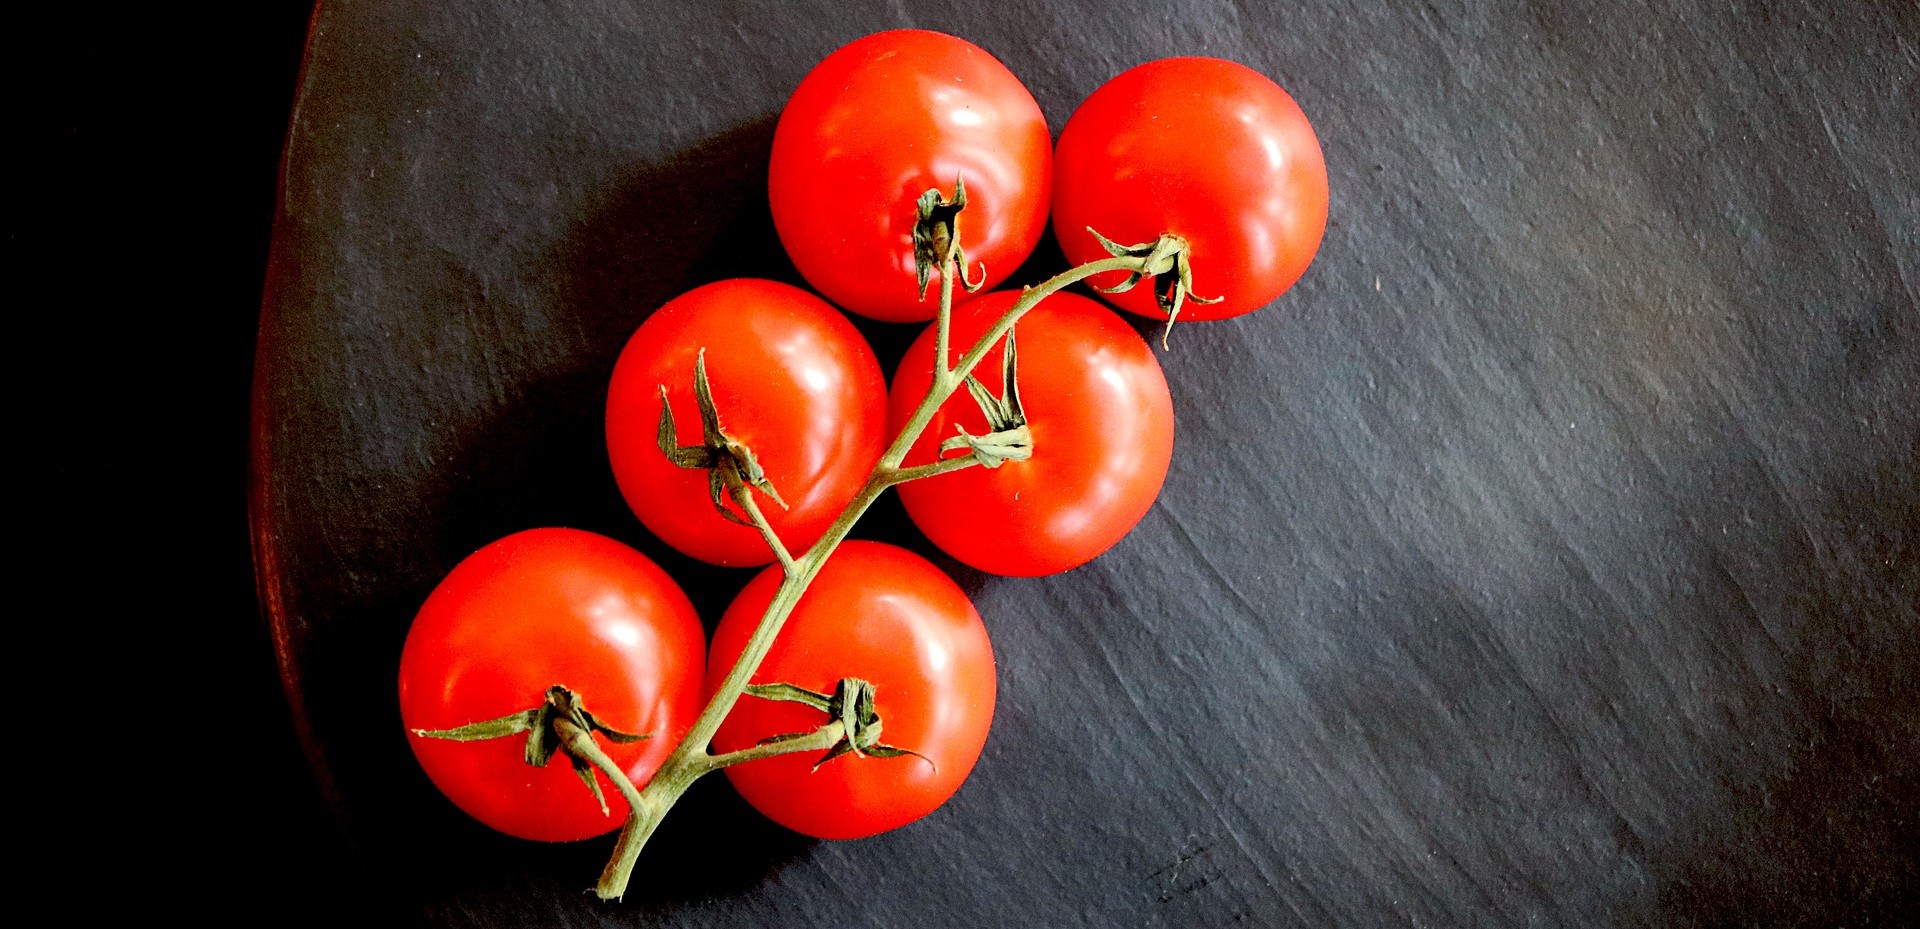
1209	149
1101	420
791	378
534	609
879	122
887	616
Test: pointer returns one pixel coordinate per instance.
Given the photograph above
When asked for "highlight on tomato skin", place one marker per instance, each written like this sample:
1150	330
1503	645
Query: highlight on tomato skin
1101	418
535	609
792	379
1207	149
873	126
888	616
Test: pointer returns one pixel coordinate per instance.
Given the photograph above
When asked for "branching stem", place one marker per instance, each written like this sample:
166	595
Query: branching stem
819	740
943	466
692	758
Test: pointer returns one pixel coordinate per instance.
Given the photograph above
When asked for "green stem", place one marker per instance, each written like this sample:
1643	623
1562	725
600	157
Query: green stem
632	837
743	495
945	465
943	322
692	758
819	740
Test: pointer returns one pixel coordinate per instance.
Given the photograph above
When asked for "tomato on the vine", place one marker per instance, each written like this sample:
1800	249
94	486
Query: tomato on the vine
876	124
540	608
887	616
792	379
1101	420
1209	150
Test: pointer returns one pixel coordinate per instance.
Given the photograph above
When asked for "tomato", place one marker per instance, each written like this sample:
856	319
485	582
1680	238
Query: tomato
791	378
1101	420
1207	149
887	616
876	124
535	609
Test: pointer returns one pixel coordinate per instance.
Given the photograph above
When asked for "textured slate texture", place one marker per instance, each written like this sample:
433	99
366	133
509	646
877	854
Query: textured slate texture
1547	556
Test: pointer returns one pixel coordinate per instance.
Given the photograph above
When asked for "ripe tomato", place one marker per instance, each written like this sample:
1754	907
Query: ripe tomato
535	609
1207	149
885	615
879	122
791	378
1101	421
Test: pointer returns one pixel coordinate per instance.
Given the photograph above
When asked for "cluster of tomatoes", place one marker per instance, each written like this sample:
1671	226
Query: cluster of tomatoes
746	409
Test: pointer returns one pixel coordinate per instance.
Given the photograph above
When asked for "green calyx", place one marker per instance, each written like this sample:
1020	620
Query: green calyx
729	463
936	236
852	705
1171	291
557	726
1007	437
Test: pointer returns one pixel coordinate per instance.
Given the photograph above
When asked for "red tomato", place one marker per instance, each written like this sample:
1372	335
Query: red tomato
885	615
791	378
1207	149
879	122
535	609
1102	426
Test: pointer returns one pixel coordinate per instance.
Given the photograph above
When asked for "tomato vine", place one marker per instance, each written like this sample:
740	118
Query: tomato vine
691	760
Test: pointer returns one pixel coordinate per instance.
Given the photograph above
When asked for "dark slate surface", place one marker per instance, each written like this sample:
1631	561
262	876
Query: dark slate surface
1546	557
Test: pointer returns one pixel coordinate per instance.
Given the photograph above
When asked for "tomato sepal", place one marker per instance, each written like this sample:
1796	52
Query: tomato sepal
562	725
729	463
936	236
851	706
1007	437
1168	253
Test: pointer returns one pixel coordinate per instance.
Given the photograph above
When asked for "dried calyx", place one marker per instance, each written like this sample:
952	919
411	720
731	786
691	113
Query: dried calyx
936	236
1165	260
1007	437
729	463
851	705
559	725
